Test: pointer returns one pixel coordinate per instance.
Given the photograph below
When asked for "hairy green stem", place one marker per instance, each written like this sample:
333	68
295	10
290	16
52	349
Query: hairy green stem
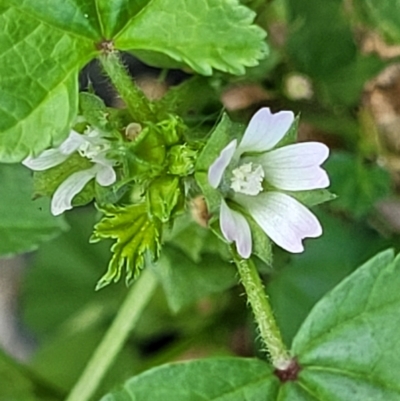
114	339
264	317
136	102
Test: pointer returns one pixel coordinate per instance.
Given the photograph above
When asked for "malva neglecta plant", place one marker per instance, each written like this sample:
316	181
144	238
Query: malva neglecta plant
142	166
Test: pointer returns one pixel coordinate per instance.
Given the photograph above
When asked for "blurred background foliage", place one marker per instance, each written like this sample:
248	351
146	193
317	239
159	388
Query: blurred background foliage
336	63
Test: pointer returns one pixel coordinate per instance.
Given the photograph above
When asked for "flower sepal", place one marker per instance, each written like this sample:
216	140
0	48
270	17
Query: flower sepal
212	196
291	135
223	133
148	150
220	137
94	112
262	245
146	154
312	197
165	198
181	160
171	129
110	194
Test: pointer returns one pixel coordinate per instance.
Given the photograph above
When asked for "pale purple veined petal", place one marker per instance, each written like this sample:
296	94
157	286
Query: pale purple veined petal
72	143
265	130
235	228
62	198
47	159
105	175
296	167
217	169
285	220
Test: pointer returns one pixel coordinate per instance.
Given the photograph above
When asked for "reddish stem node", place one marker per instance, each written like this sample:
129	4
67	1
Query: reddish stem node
290	373
105	46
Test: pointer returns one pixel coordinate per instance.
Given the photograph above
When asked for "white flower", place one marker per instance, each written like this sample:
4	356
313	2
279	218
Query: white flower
257	165
90	145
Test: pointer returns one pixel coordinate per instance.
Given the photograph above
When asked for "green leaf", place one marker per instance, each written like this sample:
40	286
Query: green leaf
203	34
383	16
341	124
345	85
348	345
324	32
135	235
43	45
18	383
313	197
42	49
338	70
194	240
358	184
208	276
346	349
74	17
24	223
62	358
116	14
229	379
59	285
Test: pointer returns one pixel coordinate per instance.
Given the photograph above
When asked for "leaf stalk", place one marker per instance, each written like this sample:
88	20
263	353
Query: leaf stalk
138	105
114	339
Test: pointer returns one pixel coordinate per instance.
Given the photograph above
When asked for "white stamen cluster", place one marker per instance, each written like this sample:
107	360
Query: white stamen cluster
247	179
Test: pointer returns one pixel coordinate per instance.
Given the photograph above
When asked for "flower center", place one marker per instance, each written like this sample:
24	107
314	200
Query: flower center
247	179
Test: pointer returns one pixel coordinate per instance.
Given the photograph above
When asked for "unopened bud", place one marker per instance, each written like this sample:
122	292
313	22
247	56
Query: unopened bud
132	131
